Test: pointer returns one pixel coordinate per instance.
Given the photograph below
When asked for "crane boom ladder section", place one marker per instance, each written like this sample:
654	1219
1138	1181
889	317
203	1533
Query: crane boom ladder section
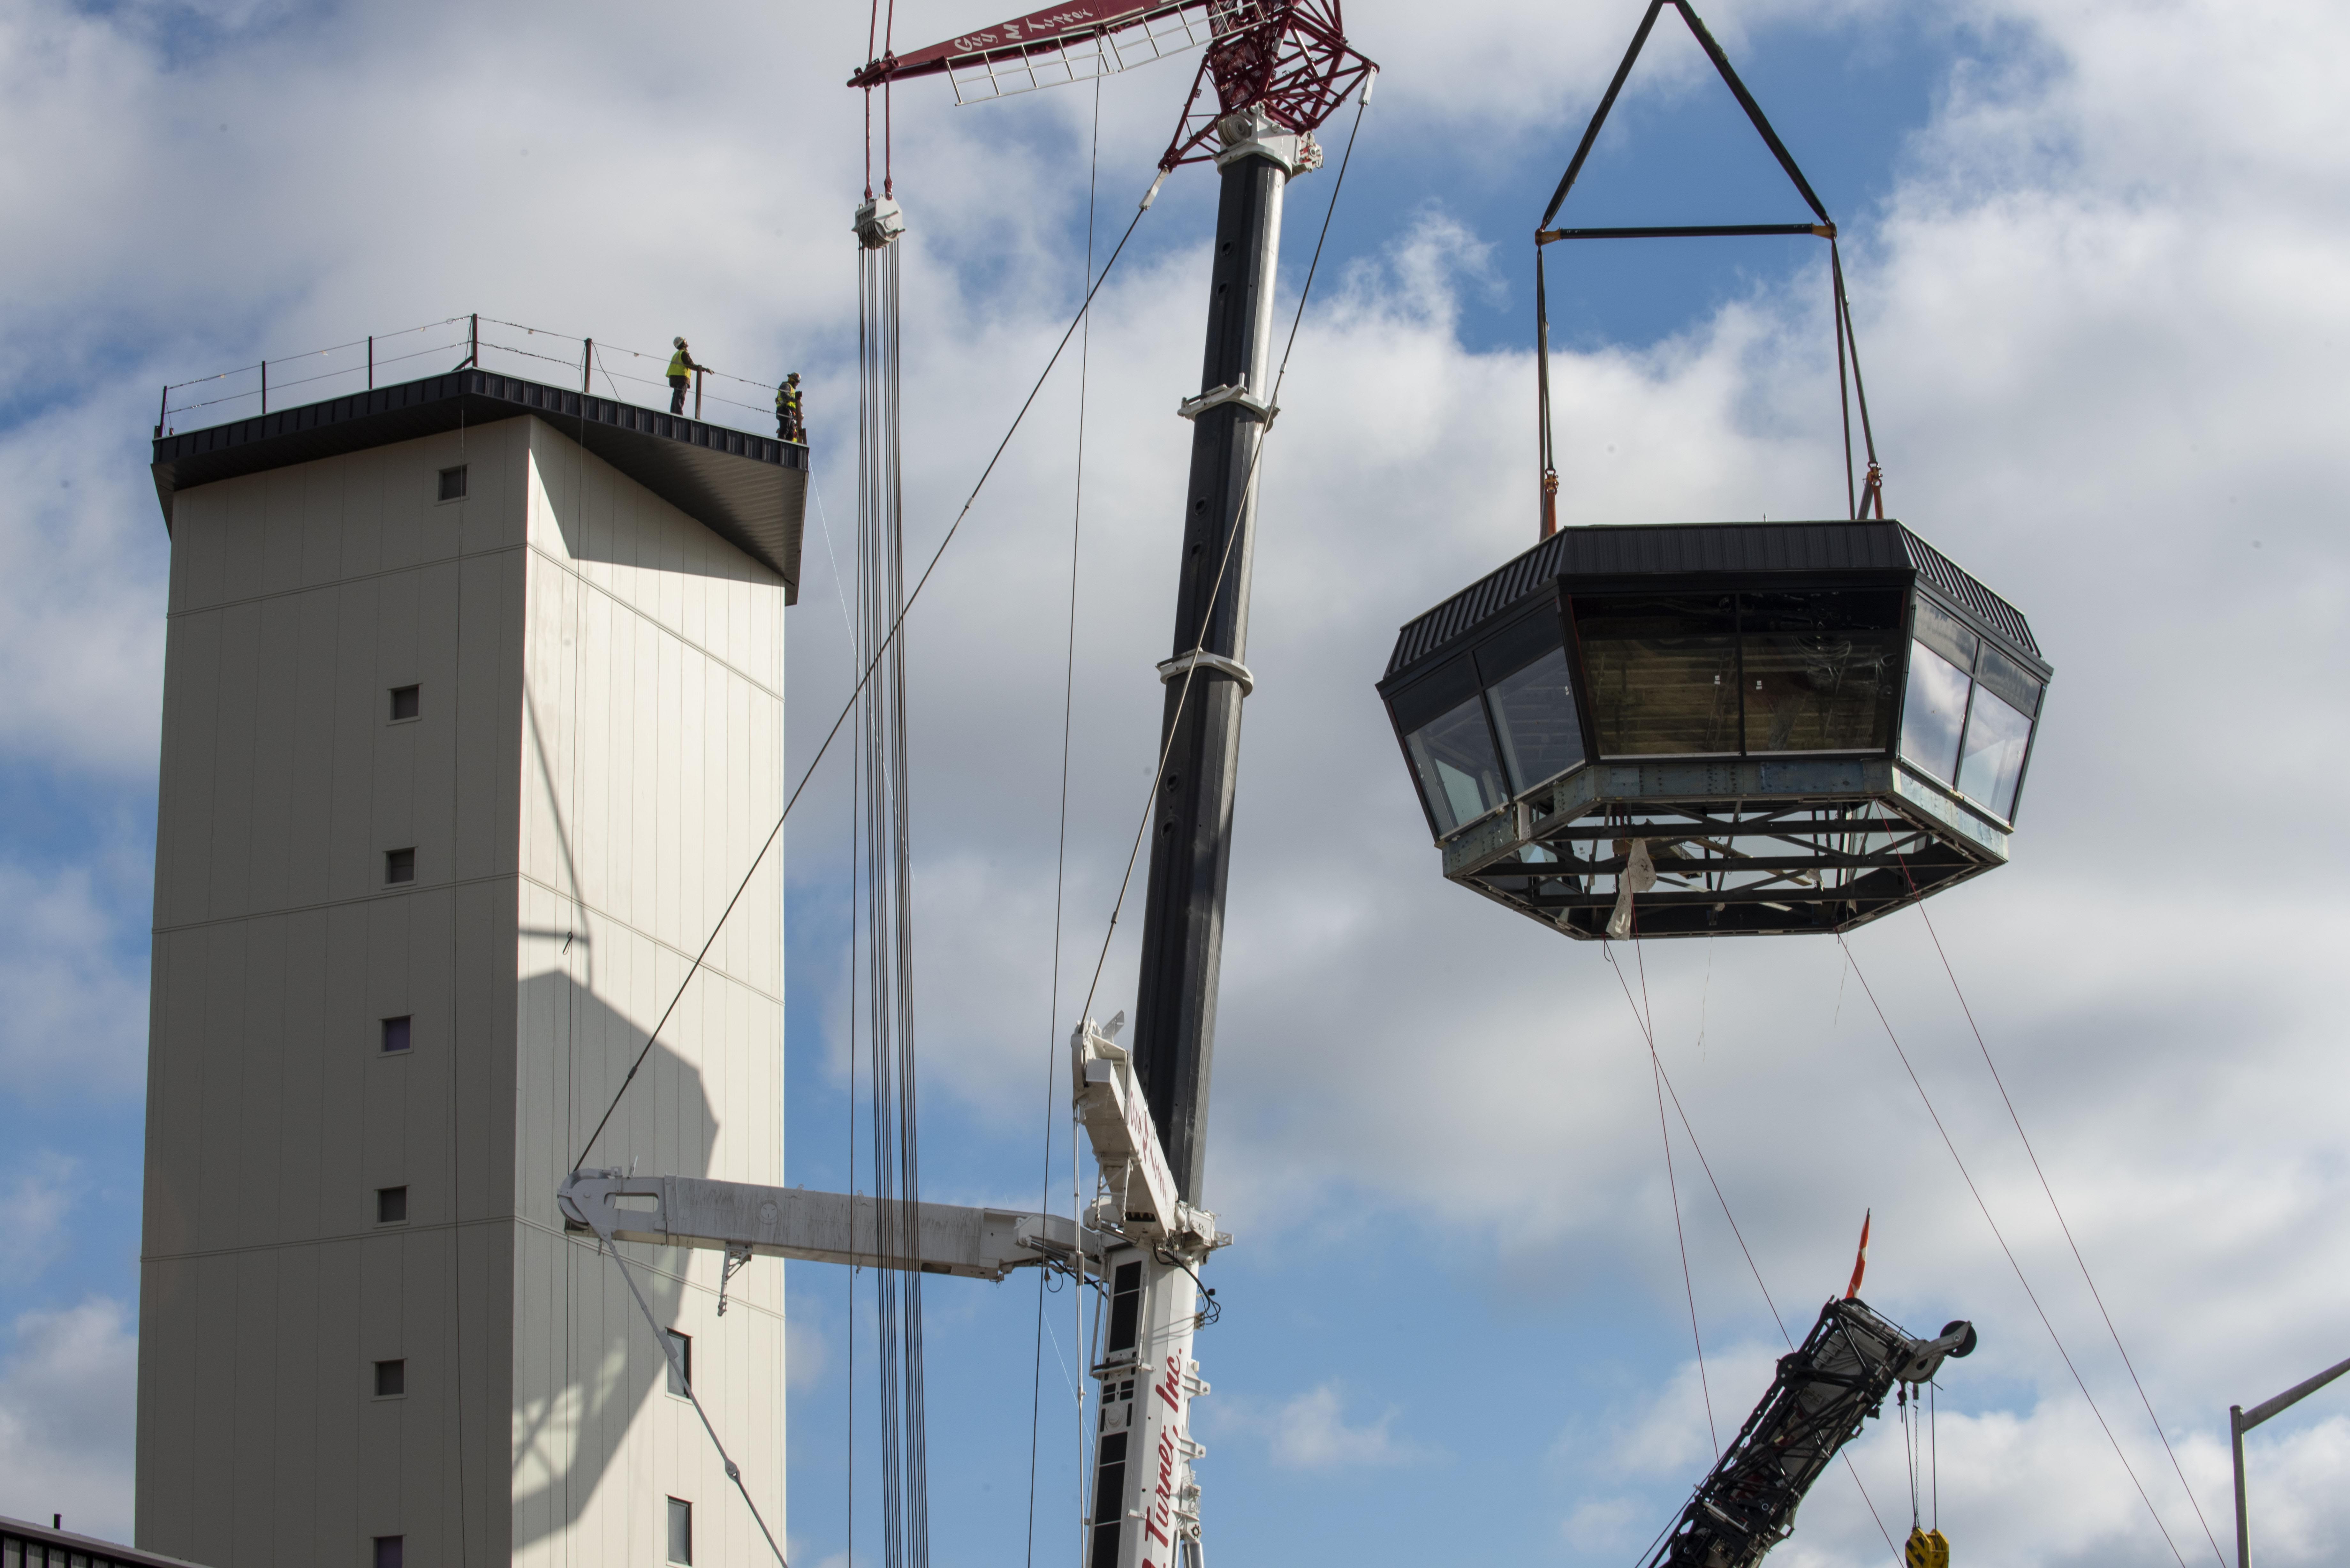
1067	43
1825	1389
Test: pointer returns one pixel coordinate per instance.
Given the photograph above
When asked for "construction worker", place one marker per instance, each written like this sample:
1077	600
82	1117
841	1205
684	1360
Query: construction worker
789	425
681	376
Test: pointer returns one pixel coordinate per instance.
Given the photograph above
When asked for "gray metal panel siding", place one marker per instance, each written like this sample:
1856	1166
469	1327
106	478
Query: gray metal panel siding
299	596
654	653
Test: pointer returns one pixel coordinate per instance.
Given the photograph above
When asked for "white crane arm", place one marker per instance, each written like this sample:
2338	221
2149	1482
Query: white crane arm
743	1219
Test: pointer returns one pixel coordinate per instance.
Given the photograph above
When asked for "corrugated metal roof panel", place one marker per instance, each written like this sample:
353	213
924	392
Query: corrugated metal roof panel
1705	549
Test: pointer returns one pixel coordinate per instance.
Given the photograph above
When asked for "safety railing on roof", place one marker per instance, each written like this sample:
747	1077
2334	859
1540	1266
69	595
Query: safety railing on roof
630	375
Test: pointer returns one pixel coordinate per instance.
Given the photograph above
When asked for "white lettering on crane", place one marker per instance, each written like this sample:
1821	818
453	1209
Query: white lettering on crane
1157	1176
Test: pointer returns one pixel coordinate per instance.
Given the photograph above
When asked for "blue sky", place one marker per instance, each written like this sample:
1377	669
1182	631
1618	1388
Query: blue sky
2095	252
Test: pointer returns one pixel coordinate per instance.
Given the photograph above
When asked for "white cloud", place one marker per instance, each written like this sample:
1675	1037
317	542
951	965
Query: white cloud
1312	1432
73	1004
33	1209
68	1383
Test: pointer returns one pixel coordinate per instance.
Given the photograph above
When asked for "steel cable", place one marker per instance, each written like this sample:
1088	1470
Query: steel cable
1869	991
1707	1165
1061	849
849	705
2057	1209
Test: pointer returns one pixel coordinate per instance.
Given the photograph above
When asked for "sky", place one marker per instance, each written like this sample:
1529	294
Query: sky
2095	252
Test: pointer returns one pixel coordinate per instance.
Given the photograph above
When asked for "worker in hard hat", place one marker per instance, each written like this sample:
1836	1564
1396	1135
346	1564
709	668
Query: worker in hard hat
681	376
789	425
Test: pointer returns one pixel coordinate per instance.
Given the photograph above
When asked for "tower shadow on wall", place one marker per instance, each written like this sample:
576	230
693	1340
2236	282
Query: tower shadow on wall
576	1391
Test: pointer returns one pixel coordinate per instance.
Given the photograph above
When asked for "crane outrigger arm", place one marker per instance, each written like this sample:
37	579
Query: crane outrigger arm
744	1220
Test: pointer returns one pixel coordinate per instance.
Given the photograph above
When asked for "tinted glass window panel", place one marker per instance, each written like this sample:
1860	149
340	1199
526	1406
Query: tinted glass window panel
1514	647
1663	673
1993	765
680	1530
1945	633
1534	709
1818	671
1933	711
2019	688
1460	777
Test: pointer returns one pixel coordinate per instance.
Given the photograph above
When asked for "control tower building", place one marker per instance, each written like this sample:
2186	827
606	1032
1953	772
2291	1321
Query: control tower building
473	722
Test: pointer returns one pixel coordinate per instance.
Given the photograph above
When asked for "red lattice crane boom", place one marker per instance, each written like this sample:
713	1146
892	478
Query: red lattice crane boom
1287	57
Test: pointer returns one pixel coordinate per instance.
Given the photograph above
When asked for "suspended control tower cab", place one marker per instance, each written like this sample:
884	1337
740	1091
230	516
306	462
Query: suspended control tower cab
1717	729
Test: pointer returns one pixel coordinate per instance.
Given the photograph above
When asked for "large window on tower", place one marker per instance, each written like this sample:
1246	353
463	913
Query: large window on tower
1662	671
1493	722
1816	669
1452	747
1967	718
1531	699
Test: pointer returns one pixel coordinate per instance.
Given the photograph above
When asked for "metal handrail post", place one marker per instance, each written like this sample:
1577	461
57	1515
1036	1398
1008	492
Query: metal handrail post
586	366
370	361
2239	1423
265	386
2236	1440
473	353
697	391
163	410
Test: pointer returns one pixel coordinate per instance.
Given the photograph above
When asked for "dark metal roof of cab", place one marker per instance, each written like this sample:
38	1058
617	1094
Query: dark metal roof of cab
749	490
1737	553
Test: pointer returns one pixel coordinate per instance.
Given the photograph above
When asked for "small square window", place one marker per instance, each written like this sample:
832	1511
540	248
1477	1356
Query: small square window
391	1379
388	1551
680	1360
399	865
391	1205
452	484
404	702
395	1033
680	1530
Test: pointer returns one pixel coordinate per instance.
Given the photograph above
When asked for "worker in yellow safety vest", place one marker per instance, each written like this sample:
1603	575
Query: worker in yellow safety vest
789	424
681	376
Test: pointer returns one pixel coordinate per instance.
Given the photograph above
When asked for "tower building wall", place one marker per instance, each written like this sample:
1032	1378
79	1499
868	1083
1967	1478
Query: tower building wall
594	758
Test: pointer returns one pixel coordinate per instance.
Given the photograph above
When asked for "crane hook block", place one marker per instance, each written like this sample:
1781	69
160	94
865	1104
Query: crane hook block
1926	1549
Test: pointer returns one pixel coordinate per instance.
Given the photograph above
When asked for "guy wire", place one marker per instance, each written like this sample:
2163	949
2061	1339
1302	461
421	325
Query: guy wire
1248	487
1777	1321
1869	991
849	706
1061	849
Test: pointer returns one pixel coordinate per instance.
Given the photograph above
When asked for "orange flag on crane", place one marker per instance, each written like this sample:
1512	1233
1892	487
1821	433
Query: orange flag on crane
1860	1263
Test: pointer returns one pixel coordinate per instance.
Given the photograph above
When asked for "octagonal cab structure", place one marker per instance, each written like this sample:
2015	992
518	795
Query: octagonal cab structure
1794	726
